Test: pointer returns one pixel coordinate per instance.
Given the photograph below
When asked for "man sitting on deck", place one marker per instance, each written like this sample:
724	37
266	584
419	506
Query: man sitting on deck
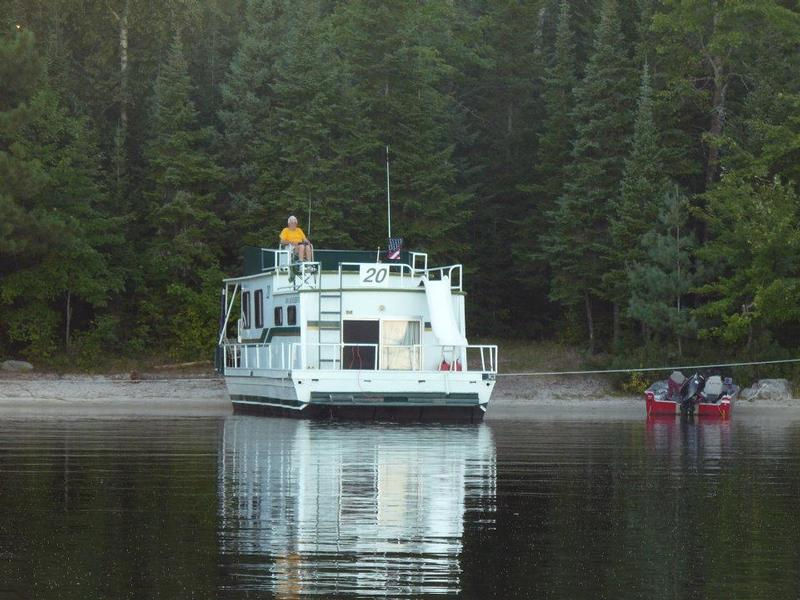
293	237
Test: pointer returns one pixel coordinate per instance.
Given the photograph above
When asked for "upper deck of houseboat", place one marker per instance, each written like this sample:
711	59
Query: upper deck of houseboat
344	269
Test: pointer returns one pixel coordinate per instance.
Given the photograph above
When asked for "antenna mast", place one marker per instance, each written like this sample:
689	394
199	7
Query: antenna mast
388	195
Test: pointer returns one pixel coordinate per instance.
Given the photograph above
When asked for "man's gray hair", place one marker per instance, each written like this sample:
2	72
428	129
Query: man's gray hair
292	218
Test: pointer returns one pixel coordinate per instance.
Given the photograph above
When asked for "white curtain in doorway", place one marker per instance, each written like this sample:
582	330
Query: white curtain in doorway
400	345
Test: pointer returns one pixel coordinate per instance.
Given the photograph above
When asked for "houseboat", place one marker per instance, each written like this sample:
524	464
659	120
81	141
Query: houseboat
351	334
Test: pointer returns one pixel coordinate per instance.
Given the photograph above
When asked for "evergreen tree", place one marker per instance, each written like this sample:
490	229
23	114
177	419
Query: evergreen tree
637	207
706	47
553	157
660	280
502	87
558	130
54	268
510	136
579	245
751	277
392	53
183	240
248	116
320	121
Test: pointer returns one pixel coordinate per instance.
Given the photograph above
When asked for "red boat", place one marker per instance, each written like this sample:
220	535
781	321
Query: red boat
712	397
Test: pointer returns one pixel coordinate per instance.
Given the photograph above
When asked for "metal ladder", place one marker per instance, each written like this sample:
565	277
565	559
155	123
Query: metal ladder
330	328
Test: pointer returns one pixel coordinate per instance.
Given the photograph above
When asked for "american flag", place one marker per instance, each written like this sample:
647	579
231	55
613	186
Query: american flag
395	247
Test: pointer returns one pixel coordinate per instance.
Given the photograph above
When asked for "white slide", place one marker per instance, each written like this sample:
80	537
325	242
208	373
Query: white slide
443	318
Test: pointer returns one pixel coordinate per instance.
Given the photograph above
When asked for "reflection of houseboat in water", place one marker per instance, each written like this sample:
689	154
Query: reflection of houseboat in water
348	335
307	508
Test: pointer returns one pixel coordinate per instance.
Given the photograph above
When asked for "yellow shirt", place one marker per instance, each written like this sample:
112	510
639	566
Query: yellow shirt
292	237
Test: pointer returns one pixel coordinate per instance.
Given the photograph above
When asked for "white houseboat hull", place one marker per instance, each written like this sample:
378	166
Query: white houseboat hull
457	395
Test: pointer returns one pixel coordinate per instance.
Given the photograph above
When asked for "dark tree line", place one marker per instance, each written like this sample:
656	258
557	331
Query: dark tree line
621	174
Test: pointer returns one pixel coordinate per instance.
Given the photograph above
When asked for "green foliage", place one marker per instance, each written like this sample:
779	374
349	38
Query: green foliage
54	254
182	251
636	209
661	279
193	323
636	383
579	243
752	276
557	133
247	116
130	180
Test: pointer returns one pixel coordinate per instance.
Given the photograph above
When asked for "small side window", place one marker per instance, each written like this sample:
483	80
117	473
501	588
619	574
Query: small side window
291	315
258	302
246	309
278	316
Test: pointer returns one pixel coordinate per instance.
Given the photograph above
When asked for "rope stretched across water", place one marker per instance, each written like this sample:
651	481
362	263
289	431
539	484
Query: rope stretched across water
520	374
649	369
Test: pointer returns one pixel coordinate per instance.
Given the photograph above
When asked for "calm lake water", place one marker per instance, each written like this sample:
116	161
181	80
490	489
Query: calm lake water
247	507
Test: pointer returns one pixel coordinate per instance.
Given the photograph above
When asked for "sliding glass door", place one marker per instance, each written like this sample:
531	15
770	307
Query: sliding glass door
400	347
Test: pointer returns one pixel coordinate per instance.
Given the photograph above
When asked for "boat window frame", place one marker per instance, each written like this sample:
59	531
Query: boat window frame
246	309
258	306
277	316
291	314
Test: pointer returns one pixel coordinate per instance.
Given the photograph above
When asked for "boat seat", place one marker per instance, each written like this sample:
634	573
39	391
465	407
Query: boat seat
713	388
675	383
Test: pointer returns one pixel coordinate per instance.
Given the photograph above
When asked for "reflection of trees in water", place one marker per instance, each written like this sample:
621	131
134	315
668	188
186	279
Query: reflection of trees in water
630	510
108	508
349	508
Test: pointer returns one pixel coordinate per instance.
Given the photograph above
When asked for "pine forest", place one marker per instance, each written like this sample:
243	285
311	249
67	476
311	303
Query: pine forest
620	176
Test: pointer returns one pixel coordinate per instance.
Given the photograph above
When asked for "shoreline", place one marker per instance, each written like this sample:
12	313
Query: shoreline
204	395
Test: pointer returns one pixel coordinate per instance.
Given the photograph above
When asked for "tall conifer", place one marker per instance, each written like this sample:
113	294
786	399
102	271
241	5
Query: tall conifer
184	233
579	244
636	208
248	118
662	276
558	130
56	229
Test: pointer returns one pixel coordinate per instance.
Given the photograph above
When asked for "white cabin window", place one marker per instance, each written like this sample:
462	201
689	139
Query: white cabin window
291	315
400	347
258	305
246	310
278	316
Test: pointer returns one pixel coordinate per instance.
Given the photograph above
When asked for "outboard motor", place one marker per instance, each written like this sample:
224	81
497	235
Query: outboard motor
690	393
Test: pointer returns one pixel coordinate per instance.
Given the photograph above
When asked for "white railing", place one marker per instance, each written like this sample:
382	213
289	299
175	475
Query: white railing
450	271
417	257
280	261
406	274
369	357
296	274
259	356
353	356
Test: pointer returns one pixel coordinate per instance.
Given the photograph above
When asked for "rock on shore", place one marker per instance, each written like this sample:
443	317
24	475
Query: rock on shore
768	389
16	365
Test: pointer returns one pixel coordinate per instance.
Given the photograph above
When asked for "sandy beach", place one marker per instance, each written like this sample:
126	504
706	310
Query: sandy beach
107	395
159	395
